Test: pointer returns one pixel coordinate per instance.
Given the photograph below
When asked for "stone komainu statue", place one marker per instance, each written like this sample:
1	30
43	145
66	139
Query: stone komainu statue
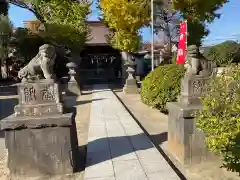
43	62
196	63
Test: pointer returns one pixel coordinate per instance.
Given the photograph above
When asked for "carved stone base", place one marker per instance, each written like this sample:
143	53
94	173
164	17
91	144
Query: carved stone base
73	89
38	110
40	147
38	98
130	87
185	142
192	88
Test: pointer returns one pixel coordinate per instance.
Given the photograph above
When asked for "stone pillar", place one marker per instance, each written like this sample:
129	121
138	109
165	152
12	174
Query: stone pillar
40	139
73	85
124	67
185	142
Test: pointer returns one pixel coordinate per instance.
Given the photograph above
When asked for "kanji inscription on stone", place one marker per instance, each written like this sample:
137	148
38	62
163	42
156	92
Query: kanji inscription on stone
29	94
48	93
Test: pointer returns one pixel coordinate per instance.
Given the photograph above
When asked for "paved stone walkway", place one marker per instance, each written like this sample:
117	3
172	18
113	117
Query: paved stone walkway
118	149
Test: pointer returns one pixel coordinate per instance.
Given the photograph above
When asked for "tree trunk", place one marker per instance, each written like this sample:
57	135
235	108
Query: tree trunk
4	71
32	9
169	42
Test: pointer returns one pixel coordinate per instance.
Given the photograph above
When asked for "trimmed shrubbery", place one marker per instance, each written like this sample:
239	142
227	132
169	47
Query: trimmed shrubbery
162	85
220	117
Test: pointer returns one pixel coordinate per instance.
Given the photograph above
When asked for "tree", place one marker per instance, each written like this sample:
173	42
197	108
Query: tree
224	53
26	43
166	22
6	28
31	5
4	7
64	20
35	6
198	13
124	18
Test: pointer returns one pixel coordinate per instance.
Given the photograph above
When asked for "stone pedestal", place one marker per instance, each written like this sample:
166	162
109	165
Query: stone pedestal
73	87
130	86
40	139
185	142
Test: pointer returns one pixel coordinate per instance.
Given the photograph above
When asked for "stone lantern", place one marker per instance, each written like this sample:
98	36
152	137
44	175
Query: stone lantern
72	71
73	86
130	86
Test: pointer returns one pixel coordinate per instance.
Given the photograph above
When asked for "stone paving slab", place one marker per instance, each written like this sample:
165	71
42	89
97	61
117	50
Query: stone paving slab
118	149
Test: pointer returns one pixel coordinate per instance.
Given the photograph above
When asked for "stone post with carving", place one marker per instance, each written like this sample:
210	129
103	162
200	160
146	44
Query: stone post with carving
130	86
185	142
40	138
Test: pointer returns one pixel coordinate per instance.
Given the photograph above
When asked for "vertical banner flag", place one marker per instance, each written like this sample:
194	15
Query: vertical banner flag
182	44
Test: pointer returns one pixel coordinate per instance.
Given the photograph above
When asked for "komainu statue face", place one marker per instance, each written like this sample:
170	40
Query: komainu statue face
47	51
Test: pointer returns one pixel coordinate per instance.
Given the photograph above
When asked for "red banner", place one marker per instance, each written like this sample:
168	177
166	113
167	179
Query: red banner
182	44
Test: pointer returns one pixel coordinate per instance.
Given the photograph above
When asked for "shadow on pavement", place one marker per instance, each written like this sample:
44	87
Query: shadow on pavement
86	102
2	135
79	151
156	140
6	109
160	138
8	88
120	146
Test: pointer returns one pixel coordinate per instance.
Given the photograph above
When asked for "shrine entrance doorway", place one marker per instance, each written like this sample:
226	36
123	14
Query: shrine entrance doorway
100	64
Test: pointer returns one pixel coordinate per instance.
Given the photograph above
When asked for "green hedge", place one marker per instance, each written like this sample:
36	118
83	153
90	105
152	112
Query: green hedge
220	118
161	86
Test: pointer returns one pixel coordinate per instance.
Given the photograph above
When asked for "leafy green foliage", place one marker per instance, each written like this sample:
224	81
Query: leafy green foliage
125	18
31	5
64	20
198	12
162	85
125	41
198	9
4	7
6	29
220	117
65	35
26	43
225	53
196	32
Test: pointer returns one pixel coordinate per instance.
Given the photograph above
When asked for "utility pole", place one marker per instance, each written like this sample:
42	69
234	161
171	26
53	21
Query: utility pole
152	29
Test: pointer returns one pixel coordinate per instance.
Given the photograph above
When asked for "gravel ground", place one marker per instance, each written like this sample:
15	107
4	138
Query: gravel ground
3	164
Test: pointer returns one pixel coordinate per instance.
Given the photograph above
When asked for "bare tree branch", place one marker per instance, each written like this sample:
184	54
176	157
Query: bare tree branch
28	6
